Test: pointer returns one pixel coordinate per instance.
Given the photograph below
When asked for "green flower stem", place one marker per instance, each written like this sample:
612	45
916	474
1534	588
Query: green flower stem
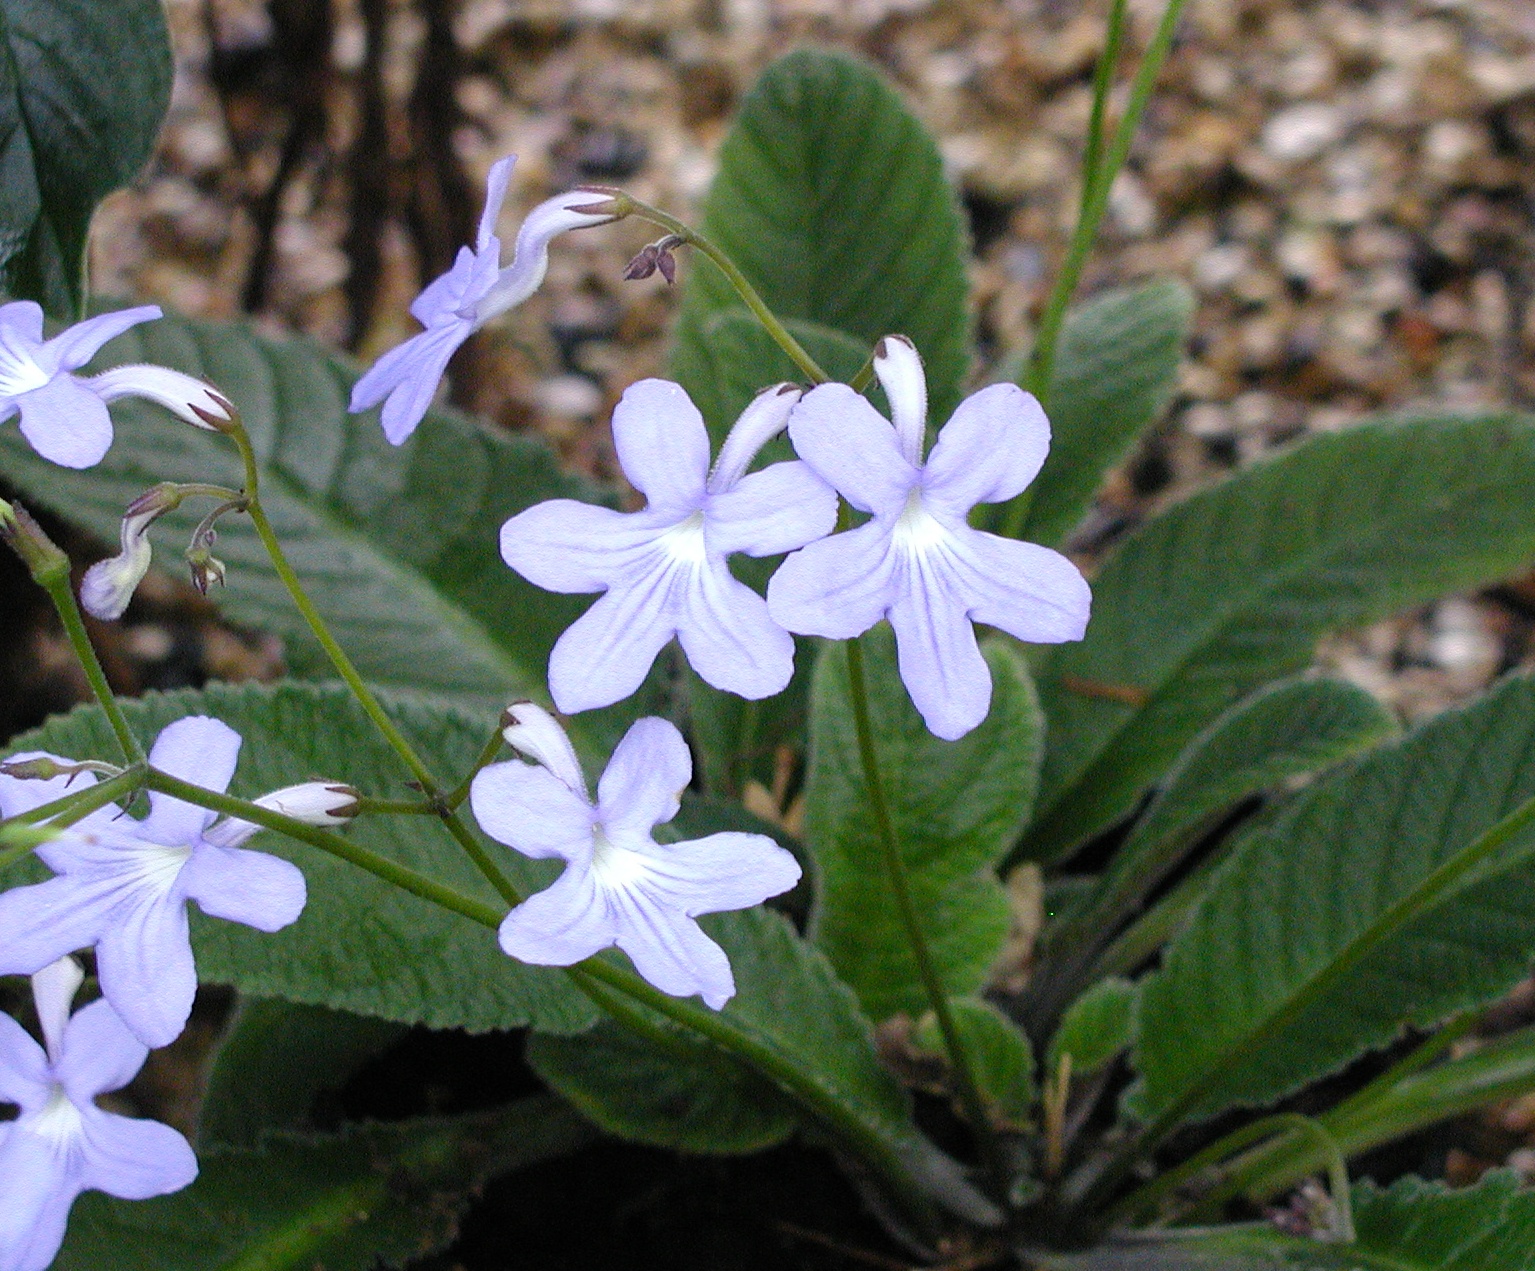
380	866
900	889
348	672
71	807
1099	183
63	597
1103	83
597	977
738	280
487	756
394	807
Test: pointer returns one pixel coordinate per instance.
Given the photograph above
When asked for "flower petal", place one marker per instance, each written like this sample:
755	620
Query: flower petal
729	638
53	993
133	1159
144	961
723	871
73	347
851	446
561	925
566	546
662	445
24	1075
256	889
178	393
899	367
671	951
45	921
21	322
42	1179
643	783
1026	590
496	181
989	451
764	418
607	652
530	257
532	810
109	584
66	423
837	587
405	379
940	662
535	734
99	1053
776	510
200	750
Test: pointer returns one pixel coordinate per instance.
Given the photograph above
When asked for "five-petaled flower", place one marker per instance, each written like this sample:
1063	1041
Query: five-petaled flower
62	1144
663	568
917	561
64	416
475	290
123	885
620	886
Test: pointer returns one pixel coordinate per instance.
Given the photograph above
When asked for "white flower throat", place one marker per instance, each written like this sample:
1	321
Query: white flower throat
917	530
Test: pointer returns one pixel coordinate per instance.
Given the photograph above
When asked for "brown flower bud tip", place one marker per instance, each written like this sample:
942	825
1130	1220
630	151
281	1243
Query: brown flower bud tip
643	264
40	769
226	423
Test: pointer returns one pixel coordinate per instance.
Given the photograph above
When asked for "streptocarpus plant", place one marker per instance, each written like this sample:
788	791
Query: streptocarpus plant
1118	1091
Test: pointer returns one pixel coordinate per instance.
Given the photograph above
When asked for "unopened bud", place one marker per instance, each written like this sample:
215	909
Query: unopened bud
657	255
206	568
25	537
533	732
46	768
320	803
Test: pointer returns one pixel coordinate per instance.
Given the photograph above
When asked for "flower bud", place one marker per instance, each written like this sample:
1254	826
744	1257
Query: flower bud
25	537
109	584
533	732
206	568
320	803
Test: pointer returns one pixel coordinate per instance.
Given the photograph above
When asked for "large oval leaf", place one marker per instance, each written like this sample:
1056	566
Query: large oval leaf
956	807
806	206
1233	587
84	85
1369	905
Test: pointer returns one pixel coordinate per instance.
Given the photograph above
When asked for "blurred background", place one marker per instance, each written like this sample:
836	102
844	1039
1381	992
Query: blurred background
1348	186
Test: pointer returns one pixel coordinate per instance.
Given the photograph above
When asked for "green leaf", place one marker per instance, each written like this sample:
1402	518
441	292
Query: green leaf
683	1095
1411	1226
274	1060
1234	586
1115	371
1382	897
396	547
1096	1027
956	808
84	85
1001	1059
380	1195
361	944
1283	730
806	207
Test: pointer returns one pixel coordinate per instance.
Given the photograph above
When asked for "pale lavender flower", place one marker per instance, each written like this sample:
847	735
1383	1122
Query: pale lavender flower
475	290
917	561
663	568
123	885
64	416
62	1144
109	584
620	887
